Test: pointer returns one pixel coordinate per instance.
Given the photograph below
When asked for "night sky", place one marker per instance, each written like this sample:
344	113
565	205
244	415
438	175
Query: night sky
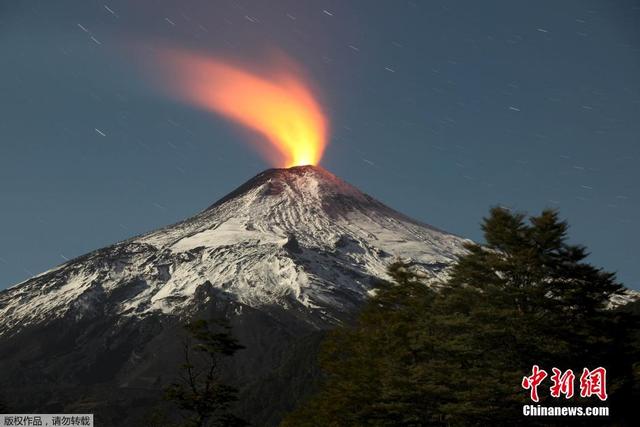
440	109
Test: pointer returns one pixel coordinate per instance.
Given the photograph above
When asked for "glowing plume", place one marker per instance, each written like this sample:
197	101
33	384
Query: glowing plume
279	105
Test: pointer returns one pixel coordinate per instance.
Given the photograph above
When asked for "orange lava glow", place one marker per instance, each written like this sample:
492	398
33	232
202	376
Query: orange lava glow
278	105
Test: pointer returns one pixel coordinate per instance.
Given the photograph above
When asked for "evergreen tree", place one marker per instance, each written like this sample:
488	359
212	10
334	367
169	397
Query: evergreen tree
457	355
200	392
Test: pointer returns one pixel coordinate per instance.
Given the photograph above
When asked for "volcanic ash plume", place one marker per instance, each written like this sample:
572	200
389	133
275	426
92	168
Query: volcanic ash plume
278	105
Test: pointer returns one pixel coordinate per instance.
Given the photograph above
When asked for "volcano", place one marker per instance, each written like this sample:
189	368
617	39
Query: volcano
286	256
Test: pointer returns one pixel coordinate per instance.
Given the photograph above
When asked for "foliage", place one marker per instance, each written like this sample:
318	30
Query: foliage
200	391
457	355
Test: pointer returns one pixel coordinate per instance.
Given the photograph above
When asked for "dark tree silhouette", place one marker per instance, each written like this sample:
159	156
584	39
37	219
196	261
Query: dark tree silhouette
456	356
200	393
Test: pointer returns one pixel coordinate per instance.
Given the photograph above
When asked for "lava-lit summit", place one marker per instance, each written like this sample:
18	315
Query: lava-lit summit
298	237
279	103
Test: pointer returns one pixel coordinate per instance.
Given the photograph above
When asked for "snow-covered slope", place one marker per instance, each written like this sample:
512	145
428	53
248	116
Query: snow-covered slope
299	238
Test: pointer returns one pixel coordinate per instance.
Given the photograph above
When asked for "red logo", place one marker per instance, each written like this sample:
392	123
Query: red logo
562	383
532	382
592	383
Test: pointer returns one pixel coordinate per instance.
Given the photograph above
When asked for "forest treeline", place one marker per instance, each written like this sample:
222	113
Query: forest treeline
456	354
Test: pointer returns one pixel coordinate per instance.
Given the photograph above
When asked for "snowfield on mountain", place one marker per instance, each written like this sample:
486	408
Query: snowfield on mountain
300	238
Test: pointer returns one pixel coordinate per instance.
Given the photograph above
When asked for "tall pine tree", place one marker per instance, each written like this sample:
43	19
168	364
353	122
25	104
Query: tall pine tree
457	355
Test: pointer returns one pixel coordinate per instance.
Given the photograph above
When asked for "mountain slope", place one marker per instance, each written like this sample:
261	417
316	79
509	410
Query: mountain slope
284	257
297	237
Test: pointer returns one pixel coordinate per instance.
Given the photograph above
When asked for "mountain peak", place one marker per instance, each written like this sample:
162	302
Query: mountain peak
298	238
305	181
